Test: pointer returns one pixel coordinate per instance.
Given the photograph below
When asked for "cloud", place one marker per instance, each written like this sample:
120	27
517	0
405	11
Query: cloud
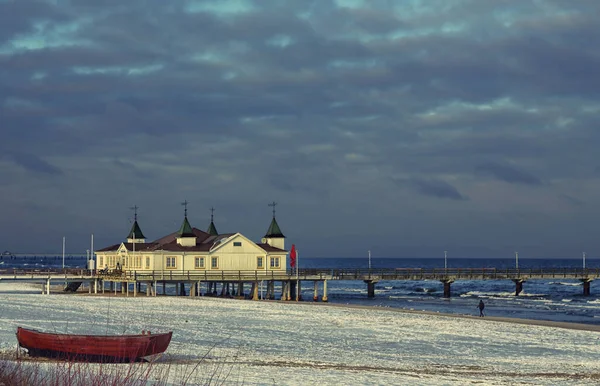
33	163
508	174
322	102
433	188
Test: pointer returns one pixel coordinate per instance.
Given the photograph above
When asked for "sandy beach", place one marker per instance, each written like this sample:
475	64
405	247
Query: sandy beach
286	343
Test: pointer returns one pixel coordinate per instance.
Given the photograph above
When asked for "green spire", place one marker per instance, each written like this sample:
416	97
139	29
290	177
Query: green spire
274	230
136	232
212	230
186	229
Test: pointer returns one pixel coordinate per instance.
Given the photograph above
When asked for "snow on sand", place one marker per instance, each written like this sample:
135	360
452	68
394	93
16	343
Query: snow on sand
277	343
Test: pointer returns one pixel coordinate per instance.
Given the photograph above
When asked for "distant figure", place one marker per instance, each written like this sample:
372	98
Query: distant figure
481	306
118	267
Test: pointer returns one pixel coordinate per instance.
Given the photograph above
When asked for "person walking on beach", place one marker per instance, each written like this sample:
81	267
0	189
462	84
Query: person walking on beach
481	306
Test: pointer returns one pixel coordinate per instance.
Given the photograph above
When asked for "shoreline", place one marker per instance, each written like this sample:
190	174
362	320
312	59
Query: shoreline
501	319
529	322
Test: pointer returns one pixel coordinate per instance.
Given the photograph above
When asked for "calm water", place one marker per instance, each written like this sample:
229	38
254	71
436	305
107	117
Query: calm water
552	299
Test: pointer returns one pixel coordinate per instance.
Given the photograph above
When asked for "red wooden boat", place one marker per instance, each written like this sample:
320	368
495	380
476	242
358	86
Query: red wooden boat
93	348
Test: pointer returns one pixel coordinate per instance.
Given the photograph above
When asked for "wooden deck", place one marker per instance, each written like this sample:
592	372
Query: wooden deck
452	274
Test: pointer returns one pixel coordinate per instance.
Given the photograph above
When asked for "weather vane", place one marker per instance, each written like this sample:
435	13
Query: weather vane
135	208
212	211
273	204
185	203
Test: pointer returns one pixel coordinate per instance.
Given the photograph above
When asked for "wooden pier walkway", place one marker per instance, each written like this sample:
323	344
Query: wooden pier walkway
290	278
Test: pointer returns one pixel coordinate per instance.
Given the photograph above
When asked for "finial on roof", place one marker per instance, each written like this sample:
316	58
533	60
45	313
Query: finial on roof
212	211
185	203
135	208
273	204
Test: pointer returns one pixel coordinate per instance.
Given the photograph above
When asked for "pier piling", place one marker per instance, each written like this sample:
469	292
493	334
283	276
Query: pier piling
447	283
586	287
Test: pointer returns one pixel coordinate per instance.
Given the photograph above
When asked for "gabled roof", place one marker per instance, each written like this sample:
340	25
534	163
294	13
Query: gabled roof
135	232
186	229
200	235
212	230
274	230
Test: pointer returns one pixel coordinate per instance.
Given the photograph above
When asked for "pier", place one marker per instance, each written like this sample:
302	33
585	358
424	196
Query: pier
233	283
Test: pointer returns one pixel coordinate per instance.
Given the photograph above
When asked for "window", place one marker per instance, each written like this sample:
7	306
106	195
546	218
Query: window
214	262
147	262
138	261
199	263
259	262
237	243
171	262
100	262
274	262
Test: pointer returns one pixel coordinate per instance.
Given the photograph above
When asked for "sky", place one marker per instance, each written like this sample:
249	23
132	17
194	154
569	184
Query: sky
401	127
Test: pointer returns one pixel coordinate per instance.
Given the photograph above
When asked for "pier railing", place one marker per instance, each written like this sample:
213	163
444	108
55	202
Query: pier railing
442	274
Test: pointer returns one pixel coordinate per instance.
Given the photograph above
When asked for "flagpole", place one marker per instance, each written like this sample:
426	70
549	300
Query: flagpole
297	276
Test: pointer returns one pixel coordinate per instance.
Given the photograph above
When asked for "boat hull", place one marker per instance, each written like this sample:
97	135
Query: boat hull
92	348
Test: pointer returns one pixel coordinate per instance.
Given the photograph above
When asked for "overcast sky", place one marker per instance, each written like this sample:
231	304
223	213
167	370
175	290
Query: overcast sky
402	127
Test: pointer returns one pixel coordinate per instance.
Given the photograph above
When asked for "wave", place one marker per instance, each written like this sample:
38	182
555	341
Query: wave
563	283
500	294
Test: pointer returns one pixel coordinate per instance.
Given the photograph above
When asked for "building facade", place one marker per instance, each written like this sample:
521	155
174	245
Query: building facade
191	249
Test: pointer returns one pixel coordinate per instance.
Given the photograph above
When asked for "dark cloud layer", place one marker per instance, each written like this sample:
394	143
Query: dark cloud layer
372	123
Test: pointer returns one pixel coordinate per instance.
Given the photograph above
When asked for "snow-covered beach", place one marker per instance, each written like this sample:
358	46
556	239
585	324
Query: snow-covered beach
278	343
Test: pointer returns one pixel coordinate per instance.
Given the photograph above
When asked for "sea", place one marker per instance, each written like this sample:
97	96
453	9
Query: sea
543	299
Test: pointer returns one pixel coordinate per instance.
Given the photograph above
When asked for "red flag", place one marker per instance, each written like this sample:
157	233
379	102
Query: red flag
293	256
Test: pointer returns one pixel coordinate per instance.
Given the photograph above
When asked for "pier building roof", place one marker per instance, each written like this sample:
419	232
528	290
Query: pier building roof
274	230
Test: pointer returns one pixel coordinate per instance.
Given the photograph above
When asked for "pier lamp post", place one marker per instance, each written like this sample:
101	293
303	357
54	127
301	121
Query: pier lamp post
517	260
583	260
445	259
63	254
369	259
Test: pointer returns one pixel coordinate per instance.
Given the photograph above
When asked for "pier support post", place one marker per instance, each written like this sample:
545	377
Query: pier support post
324	298
292	290
370	288
148	289
96	286
48	287
240	288
254	290
316	292
135	289
586	287
447	283
164	288
518	286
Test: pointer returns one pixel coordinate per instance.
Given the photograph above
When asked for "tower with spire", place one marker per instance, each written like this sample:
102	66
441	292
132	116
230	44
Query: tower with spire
212	230
135	234
186	236
274	237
